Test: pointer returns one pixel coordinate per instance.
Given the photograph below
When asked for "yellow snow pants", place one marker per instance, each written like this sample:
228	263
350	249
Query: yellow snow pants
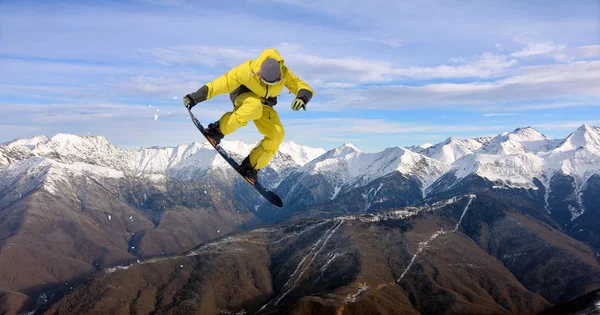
248	106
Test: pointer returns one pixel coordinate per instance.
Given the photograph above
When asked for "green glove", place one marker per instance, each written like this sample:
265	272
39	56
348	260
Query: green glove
298	103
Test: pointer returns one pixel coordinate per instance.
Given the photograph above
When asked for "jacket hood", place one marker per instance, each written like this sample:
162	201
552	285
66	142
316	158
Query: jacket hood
267	53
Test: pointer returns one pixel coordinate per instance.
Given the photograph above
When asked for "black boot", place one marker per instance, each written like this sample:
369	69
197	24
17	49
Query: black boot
214	134
248	171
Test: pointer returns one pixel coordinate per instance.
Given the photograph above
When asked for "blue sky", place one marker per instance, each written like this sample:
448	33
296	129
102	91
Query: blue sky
385	73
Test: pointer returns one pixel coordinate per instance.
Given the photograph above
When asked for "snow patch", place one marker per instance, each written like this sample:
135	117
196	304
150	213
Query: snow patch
362	288
336	191
310	258
463	214
422	246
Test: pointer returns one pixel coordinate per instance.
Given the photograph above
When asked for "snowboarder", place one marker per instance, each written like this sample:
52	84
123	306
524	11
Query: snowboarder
253	88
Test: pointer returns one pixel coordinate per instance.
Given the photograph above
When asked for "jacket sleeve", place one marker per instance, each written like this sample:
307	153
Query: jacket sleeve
225	83
297	86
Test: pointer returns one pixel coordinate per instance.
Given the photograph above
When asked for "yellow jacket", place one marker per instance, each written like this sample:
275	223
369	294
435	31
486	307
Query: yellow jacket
247	74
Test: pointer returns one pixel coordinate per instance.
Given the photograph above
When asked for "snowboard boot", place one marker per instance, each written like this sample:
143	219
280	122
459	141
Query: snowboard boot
248	171
214	134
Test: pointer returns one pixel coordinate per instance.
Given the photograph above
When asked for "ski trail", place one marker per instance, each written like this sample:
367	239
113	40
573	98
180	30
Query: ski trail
297	274
332	231
463	214
422	247
322	270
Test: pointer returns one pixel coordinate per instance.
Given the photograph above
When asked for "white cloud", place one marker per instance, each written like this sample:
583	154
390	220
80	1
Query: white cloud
387	41
542	48
568	125
340	69
585	52
147	86
572	81
498	114
337	127
559	52
207	56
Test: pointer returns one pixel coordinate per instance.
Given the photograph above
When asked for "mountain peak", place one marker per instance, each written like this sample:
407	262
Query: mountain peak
529	132
426	145
585	136
587	128
28	142
451	139
349	146
299	153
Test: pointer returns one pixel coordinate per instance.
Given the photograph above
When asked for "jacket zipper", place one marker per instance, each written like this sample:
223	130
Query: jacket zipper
267	93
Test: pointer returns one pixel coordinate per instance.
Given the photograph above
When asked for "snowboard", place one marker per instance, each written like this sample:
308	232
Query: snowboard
272	197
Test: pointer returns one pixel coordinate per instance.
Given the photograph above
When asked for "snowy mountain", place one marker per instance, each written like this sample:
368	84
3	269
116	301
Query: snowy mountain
522	140
299	153
453	149
185	162
86	203
346	167
515	159
346	173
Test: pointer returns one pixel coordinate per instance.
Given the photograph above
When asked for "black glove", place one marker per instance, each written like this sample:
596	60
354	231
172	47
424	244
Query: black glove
188	102
198	97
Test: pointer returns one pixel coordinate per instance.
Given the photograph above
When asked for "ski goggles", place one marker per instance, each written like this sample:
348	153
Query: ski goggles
269	82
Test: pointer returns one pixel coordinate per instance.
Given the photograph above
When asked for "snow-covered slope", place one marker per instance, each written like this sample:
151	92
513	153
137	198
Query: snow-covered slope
453	149
517	159
510	160
21	177
185	162
346	167
578	155
98	150
585	137
521	140
299	153
509	171
28	142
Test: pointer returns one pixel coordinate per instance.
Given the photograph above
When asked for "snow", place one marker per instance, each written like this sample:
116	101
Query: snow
422	246
29	143
516	170
309	258
453	149
514	160
237	147
463	214
361	289
510	160
585	136
519	141
182	162
345	167
426	145
336	191
300	154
